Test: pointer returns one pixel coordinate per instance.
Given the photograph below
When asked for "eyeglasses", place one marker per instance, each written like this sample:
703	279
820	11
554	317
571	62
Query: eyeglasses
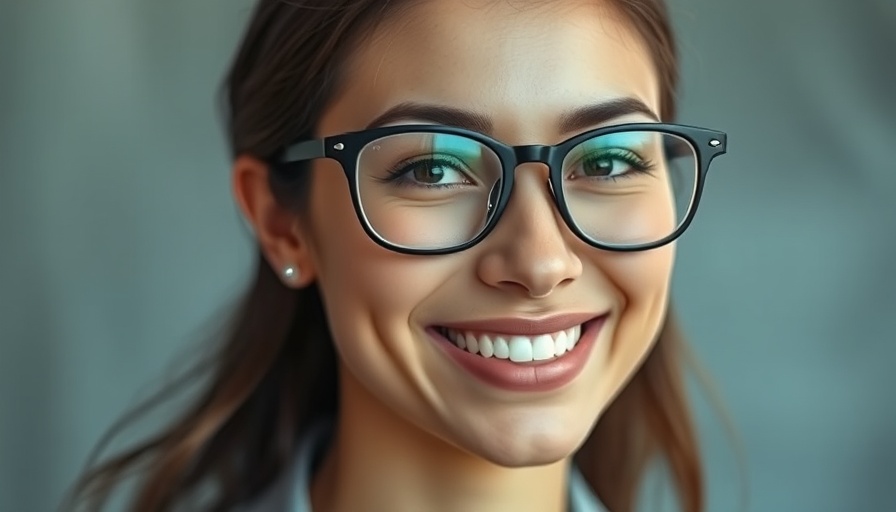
423	189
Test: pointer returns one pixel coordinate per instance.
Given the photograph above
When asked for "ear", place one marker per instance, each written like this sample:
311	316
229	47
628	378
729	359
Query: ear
278	230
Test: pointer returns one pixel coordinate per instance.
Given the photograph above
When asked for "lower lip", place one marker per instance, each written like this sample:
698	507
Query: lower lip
532	377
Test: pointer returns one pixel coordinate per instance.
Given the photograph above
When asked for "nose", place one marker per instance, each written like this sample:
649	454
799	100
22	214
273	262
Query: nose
529	251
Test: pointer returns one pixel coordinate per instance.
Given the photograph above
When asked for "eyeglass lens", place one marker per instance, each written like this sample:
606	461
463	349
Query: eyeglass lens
435	191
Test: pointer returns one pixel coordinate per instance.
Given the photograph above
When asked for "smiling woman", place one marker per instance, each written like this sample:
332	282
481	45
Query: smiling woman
466	215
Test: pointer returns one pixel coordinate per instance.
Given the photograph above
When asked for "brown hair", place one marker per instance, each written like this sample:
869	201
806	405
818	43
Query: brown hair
277	370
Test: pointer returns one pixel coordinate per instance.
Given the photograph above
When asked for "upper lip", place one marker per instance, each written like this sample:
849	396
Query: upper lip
523	326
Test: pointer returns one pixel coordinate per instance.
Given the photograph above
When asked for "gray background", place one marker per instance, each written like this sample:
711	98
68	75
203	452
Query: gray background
120	244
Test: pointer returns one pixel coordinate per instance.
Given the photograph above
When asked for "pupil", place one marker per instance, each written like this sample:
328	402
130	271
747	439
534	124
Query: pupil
600	167
428	173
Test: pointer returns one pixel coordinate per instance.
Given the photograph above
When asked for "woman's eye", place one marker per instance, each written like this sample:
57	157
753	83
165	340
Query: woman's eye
604	167
612	164
432	172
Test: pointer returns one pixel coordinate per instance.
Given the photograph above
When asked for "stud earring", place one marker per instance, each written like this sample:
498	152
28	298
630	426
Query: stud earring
290	274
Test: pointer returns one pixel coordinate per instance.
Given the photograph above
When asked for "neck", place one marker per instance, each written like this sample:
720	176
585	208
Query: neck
380	462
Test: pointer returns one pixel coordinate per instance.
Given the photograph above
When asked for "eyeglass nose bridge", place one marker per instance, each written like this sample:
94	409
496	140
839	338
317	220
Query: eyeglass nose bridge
532	154
535	154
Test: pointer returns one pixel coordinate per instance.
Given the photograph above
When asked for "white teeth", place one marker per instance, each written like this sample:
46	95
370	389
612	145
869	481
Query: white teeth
472	344
542	347
519	349
486	348
560	344
502	351
572	337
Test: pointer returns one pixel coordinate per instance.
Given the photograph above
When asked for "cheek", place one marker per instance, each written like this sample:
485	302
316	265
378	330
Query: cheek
348	262
372	296
642	281
370	292
641	277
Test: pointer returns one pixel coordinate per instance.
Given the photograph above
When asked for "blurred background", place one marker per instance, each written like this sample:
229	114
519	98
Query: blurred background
119	244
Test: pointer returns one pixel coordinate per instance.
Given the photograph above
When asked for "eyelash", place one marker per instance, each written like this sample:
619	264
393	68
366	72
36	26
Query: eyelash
638	164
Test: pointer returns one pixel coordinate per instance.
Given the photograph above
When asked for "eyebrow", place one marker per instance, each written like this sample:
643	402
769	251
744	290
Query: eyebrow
575	120
438	114
600	113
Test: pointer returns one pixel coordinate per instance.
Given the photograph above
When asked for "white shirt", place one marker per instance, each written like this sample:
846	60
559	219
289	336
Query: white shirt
290	492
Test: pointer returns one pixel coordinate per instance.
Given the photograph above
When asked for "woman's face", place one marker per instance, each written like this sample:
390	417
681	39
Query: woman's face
524	68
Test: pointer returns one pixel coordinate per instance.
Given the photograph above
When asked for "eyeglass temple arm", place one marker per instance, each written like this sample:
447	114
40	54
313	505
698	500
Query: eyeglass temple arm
305	150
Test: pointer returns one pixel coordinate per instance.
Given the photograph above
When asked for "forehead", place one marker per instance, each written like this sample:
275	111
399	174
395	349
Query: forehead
516	62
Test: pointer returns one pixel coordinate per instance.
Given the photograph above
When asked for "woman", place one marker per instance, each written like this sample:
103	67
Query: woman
465	214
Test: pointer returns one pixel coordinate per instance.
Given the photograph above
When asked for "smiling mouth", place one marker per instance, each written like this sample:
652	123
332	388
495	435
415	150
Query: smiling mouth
515	347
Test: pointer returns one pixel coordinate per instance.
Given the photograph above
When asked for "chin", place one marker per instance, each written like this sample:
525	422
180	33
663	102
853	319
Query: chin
529	449
530	456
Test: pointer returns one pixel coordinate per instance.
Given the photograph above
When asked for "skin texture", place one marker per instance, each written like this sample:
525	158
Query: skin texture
451	442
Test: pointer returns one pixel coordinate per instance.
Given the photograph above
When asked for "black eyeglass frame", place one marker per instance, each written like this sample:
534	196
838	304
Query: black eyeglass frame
346	148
